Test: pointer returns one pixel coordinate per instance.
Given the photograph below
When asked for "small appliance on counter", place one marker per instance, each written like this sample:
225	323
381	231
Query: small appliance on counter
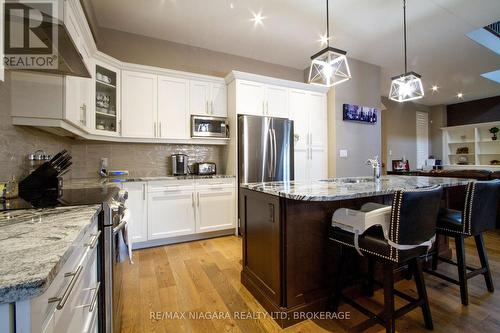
204	168
179	164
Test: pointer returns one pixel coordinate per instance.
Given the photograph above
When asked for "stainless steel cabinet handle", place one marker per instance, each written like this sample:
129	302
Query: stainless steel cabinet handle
212	107
160	129
267	107
198	201
263	107
94	240
64	298
206	108
192	199
93	302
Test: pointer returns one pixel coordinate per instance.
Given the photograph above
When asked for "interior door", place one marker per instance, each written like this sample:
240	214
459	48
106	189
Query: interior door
173	108
250	98
139	107
218	106
215	209
199	93
171	213
276	101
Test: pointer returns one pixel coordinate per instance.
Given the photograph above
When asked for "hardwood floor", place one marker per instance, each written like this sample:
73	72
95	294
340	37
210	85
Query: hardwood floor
203	279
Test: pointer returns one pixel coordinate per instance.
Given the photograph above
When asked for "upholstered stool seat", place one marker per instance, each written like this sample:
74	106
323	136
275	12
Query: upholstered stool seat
411	233
479	215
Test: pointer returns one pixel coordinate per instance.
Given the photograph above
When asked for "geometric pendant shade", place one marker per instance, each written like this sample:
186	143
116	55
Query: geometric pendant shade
329	67
406	87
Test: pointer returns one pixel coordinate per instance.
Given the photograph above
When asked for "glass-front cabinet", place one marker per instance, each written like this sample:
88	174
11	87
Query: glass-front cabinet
107	100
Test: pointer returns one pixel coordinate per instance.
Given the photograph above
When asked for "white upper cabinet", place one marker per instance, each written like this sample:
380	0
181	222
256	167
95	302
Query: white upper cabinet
250	98
218	107
277	101
207	98
309	113
139	105
258	99
173	108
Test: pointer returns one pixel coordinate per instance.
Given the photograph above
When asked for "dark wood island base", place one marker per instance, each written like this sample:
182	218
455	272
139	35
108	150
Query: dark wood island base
288	264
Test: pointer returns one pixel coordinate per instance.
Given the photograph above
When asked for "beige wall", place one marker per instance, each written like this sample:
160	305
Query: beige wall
362	141
157	52
400	131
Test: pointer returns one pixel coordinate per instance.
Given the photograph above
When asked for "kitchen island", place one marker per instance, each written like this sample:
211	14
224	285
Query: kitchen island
287	261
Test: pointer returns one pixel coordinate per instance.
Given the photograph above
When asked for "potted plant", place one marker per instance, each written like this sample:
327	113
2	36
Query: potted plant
494	131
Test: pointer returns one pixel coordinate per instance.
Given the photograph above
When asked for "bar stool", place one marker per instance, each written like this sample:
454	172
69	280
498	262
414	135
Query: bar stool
479	215
411	233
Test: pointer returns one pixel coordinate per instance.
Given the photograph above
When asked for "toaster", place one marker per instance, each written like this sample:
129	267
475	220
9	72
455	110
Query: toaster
204	168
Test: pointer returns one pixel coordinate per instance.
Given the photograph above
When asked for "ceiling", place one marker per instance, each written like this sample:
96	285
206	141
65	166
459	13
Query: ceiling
369	30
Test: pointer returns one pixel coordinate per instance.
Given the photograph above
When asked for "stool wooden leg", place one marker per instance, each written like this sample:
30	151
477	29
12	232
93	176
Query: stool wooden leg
339	281
390	322
434	264
462	269
483	257
422	293
370	277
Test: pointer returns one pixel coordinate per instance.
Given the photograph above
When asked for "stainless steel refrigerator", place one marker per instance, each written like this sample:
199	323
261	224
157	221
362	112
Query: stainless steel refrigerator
265	149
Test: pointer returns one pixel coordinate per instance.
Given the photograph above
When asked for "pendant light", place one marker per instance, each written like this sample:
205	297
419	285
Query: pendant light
329	66
407	86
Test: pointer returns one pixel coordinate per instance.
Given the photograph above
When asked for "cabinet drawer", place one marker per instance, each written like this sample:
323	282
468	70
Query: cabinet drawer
215	183
42	310
170	185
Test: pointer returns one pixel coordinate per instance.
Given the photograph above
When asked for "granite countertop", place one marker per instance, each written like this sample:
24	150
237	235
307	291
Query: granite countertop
349	188
35	244
98	182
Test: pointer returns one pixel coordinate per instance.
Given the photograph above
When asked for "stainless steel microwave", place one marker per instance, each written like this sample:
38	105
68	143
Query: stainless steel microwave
214	127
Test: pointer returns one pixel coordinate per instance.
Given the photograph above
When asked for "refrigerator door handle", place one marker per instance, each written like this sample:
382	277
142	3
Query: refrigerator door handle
270	167
274	153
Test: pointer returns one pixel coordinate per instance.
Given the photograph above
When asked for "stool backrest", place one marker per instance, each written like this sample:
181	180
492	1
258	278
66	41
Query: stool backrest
480	209
414	214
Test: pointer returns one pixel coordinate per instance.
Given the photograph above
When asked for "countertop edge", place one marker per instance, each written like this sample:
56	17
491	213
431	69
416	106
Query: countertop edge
32	289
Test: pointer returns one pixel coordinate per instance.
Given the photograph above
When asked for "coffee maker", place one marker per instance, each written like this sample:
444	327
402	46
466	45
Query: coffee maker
179	164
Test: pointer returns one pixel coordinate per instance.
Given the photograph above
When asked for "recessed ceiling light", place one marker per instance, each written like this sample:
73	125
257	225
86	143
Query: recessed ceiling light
435	88
231	5
257	18
460	95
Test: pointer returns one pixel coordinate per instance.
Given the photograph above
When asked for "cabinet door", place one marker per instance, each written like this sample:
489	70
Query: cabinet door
137	205
318	164
199	96
173	108
250	98
301	163
277	102
218	106
139	106
299	113
170	213
72	99
216	209
317	120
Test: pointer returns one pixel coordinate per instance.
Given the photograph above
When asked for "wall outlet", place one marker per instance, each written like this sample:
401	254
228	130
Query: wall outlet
343	153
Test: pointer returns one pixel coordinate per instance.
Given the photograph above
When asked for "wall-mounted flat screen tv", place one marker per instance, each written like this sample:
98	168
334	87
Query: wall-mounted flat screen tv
363	114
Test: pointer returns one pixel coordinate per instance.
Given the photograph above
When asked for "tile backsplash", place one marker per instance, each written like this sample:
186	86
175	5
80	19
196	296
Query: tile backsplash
139	159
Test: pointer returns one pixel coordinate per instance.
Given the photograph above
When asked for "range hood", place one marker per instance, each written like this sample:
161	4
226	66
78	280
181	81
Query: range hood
54	34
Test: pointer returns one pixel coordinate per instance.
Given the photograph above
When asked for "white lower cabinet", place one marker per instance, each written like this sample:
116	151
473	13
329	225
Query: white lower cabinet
171	213
215	208
138	206
165	209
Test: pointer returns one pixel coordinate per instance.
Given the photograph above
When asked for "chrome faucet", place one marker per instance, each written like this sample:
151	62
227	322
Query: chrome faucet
375	164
